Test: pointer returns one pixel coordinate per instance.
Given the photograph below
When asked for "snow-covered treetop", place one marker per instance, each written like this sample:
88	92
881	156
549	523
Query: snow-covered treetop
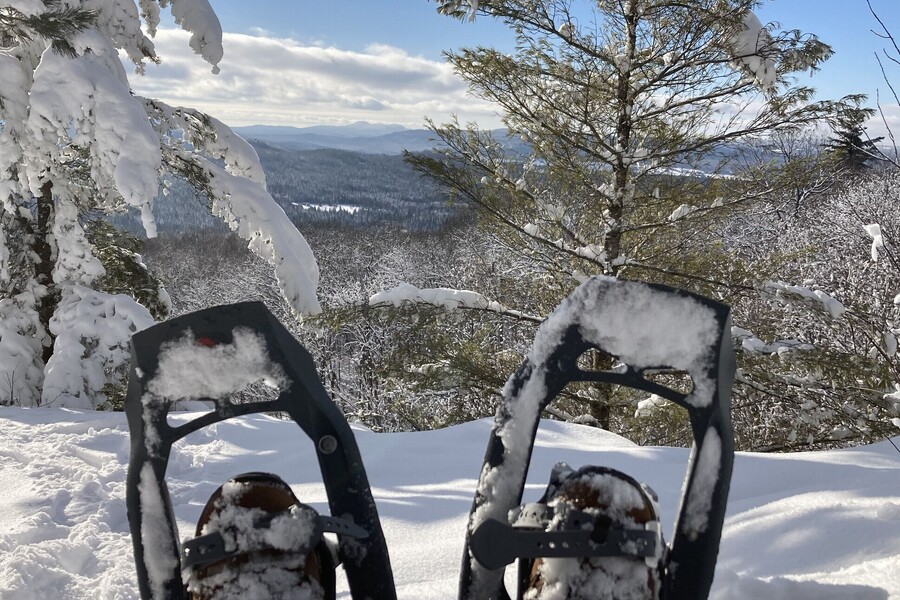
86	103
74	140
71	122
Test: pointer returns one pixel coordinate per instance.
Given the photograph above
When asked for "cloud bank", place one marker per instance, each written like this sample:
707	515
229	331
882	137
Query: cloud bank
887	118
274	81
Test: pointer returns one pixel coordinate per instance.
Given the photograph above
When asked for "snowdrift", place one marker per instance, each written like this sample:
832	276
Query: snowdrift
800	526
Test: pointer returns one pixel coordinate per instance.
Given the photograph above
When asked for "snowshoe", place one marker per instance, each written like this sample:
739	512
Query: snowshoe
580	541
254	539
592	535
209	355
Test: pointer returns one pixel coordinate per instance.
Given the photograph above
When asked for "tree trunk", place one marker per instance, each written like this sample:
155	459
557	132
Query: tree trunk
601	409
622	168
44	267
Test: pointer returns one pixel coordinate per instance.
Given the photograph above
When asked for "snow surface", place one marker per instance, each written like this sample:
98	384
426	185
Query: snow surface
803	526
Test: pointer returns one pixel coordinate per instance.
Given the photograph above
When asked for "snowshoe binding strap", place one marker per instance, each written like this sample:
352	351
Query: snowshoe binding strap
495	544
618	515
647	328
213	547
541	530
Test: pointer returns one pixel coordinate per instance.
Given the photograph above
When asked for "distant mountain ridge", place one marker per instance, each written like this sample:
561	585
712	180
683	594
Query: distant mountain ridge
392	139
354	175
363	137
369	138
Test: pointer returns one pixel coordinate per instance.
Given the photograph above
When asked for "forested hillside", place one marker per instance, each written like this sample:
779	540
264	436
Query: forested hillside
629	237
320	186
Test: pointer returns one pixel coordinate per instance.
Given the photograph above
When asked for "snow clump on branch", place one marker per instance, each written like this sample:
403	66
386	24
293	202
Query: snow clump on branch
748	49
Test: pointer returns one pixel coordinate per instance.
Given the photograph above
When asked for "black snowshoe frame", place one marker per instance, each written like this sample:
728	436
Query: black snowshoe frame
686	572
689	565
365	559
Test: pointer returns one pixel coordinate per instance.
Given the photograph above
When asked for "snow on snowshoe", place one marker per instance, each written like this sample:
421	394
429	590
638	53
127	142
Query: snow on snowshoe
648	329
209	355
254	539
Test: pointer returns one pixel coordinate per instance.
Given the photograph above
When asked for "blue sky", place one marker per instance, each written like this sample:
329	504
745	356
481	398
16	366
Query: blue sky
380	60
413	25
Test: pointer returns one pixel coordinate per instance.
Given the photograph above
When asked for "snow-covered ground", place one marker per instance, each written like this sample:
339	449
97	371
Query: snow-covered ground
821	525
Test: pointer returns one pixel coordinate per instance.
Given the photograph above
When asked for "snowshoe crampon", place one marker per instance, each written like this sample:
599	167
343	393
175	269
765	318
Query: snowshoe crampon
646	329
209	355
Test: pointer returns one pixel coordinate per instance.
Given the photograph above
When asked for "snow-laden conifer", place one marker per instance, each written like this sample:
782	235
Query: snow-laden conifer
627	121
75	142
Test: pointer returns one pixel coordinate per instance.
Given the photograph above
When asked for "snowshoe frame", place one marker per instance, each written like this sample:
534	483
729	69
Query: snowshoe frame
366	560
689	565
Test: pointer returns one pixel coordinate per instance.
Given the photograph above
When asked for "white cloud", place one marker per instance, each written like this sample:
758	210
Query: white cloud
276	81
888	117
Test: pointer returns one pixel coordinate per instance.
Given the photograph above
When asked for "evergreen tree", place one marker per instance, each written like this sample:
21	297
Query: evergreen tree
850	145
616	102
57	22
76	143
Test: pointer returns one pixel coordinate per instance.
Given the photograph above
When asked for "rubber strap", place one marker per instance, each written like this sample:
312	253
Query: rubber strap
495	544
210	548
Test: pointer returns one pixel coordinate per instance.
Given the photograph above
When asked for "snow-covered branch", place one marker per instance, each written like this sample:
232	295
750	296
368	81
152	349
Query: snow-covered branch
447	299
75	142
818	300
